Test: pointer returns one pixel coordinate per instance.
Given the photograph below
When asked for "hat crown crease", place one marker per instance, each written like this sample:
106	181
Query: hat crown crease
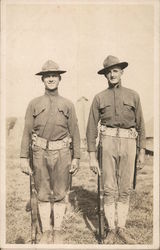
50	65
110	60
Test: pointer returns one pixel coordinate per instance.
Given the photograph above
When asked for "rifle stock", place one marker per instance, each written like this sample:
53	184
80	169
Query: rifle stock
100	196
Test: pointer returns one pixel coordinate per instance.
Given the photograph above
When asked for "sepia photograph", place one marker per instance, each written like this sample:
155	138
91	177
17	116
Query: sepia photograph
79	132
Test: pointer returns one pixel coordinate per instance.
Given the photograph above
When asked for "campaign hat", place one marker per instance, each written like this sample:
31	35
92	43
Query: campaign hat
111	61
50	67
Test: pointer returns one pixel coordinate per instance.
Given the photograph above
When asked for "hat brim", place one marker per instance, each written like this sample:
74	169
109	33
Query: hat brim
122	65
42	73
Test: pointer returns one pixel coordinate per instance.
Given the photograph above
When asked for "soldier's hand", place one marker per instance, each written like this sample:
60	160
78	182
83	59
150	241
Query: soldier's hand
34	138
94	166
25	167
74	166
141	159
93	163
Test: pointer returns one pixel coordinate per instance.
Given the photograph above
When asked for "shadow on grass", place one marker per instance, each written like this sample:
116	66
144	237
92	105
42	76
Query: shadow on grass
87	203
19	240
138	223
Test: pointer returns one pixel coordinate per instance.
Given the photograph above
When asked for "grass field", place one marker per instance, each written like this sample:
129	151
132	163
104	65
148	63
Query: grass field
80	223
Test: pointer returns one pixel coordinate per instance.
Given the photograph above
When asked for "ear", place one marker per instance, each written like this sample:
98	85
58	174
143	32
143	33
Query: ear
121	71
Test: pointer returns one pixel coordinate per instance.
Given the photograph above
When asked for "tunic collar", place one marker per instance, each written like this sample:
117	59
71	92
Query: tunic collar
115	86
51	93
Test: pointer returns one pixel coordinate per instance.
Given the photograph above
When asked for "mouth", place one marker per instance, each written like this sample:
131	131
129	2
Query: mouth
113	79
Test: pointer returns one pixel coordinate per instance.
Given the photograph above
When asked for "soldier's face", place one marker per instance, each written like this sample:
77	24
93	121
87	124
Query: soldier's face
114	75
51	81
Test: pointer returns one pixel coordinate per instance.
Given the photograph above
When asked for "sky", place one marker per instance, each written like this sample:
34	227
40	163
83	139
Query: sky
78	37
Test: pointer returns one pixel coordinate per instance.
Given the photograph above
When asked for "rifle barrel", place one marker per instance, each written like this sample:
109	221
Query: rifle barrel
100	196
33	202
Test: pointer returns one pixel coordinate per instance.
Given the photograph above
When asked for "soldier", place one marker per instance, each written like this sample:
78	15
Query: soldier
121	129
51	122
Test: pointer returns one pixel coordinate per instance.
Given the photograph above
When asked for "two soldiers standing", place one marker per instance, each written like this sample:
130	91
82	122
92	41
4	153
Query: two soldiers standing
51	123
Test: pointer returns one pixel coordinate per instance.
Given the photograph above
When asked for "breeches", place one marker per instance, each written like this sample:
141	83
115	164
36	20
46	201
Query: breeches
118	168
51	173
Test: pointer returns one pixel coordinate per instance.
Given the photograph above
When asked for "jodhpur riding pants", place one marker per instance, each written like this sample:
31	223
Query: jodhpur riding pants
118	168
51	173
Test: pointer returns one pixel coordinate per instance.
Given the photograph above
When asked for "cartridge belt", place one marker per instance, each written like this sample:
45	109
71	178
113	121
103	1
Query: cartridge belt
52	145
119	132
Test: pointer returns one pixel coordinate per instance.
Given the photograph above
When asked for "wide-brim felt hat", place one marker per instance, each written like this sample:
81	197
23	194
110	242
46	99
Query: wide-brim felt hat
111	61
50	67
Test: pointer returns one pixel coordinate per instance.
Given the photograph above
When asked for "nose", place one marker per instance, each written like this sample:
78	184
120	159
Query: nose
112	73
51	78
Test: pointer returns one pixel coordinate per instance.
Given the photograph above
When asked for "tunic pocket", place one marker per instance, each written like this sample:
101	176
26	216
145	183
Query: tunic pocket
39	115
38	111
128	110
105	112
62	116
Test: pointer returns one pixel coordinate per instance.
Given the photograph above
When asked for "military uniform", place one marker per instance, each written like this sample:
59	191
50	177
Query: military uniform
118	109
52	118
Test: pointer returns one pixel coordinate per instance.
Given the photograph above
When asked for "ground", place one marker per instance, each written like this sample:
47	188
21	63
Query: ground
81	220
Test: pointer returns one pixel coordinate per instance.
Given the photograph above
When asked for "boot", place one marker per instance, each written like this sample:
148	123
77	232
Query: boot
122	213
110	215
111	237
122	232
59	211
57	237
47	238
125	236
45	210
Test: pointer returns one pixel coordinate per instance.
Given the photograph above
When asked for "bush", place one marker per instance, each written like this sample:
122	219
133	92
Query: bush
11	121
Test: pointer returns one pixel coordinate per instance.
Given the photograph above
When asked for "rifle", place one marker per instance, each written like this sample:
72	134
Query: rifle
135	173
35	216
71	195
135	164
100	196
70	181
